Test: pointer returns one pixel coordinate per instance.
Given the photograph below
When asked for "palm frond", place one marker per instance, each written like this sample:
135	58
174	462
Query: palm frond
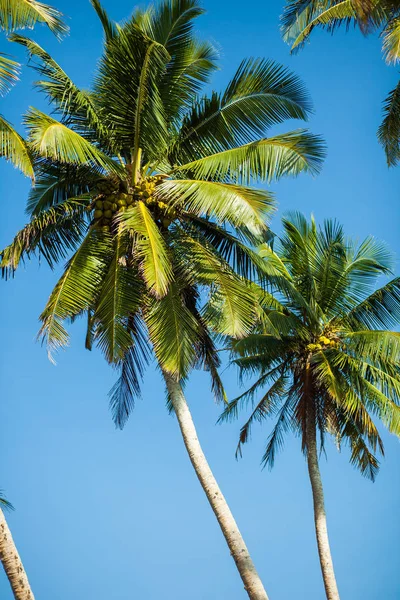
328	14
131	369
381	310
76	290
24	14
118	300
238	205
109	27
263	160
261	94
51	234
14	148
173	332
9	71
391	41
127	93
170	24
149	247
389	130
74	106
4	503
263	409
52	139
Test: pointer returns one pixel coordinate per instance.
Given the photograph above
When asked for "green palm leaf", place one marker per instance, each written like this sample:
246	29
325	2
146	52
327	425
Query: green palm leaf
389	130
62	91
110	29
52	139
76	290
149	248
21	14
263	160
261	94
173	332
391	41
51	234
119	299
14	148
9	70
235	204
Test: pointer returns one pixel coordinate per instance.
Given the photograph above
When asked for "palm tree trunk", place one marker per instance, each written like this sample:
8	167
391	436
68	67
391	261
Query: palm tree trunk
12	563
321	530
252	582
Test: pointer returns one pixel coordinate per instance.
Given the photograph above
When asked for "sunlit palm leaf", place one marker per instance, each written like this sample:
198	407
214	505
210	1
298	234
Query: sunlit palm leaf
51	234
74	105
22	14
76	290
14	148
262	93
9	70
225	202
173	332
118	300
391	41
52	139
263	160
149	248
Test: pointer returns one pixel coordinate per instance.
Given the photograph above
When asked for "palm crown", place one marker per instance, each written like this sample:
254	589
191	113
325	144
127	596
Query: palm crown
149	185
301	17
325	355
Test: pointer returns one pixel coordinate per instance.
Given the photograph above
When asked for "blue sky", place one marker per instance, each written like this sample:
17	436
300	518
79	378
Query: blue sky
117	515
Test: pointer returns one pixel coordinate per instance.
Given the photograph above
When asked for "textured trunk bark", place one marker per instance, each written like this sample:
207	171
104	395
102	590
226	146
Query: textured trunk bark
321	530
12	563
252	582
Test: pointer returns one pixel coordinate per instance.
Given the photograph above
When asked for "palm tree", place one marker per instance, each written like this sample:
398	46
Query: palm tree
14	15
324	357
149	184
300	17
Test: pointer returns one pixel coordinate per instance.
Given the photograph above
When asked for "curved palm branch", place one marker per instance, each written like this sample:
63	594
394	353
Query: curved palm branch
24	14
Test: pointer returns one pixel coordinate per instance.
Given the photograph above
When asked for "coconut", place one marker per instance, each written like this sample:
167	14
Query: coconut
121	202
108	214
129	199
114	207
98	214
99	204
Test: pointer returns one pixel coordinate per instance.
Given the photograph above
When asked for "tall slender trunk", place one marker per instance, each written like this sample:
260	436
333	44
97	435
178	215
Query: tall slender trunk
252	582
325	557
12	563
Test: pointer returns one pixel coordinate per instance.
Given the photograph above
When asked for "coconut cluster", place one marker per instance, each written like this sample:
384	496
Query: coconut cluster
145	191
323	343
111	199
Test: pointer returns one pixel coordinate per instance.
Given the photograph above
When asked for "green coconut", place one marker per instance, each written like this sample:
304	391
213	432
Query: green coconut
99	204
98	214
108	214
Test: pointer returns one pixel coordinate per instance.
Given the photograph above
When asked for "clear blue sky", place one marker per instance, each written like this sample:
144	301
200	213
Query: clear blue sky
103	514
